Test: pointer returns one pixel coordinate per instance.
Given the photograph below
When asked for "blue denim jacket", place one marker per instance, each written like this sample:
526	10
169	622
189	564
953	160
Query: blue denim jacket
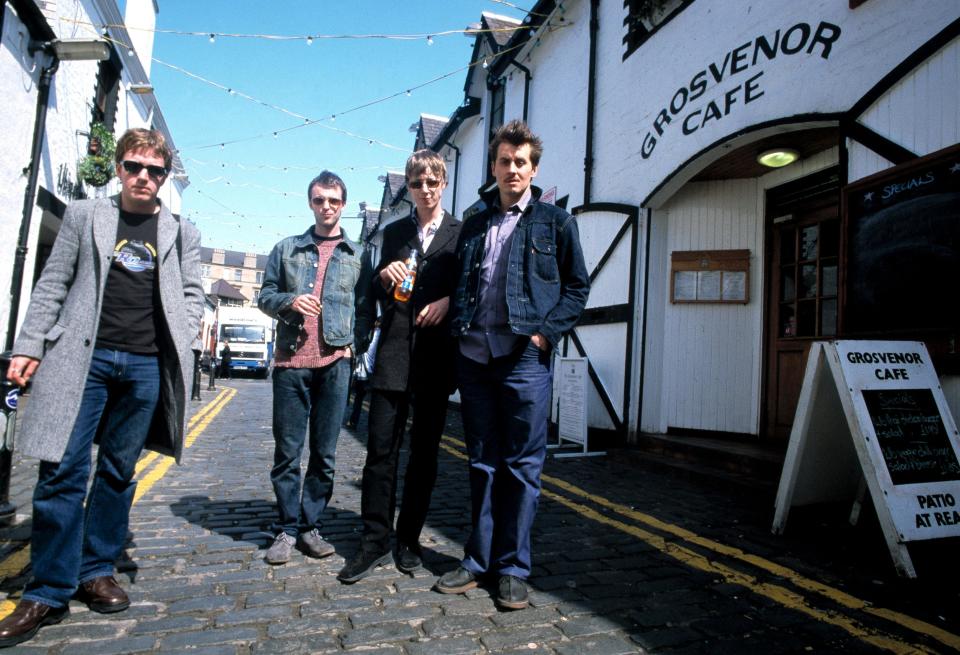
547	280
291	271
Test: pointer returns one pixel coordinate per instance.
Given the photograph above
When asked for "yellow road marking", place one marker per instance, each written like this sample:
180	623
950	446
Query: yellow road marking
776	593
16	562
157	472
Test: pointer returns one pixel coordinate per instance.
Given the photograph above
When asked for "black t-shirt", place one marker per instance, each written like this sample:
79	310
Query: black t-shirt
128	320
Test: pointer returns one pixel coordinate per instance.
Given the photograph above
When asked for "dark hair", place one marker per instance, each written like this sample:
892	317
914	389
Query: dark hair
517	133
139	138
326	178
425	161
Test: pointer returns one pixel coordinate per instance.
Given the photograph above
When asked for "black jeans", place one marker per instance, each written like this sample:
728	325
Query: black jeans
386	425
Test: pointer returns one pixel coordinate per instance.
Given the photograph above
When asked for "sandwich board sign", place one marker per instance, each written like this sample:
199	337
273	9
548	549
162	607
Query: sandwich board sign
872	415
572	374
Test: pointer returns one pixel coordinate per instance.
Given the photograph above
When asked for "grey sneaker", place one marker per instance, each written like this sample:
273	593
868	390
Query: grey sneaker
313	545
279	551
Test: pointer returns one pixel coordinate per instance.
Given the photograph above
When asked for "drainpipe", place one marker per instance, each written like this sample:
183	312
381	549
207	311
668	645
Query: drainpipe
19	261
456	176
591	98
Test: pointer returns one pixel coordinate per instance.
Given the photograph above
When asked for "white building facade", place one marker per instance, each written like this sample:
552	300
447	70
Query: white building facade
116	92
712	273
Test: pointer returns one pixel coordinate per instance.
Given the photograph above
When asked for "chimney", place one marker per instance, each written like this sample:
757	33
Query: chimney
140	17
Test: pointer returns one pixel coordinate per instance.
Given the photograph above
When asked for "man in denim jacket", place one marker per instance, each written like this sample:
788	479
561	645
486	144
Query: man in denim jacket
309	287
523	285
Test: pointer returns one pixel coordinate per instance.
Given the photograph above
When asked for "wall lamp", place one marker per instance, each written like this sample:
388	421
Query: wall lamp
140	89
73	49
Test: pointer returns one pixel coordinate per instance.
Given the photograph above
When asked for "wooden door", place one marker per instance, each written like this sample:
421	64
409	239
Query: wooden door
802	304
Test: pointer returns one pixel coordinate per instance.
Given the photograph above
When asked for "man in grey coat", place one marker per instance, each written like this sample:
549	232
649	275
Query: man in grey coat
105	347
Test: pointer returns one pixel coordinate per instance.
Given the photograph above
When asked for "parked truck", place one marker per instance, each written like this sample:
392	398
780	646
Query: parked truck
250	333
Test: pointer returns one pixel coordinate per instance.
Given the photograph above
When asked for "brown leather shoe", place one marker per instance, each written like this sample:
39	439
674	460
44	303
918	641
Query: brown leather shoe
103	595
24	621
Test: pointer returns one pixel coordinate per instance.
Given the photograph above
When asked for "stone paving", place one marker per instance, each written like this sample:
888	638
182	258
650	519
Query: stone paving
629	558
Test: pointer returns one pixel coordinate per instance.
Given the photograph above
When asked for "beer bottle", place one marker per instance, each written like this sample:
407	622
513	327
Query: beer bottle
403	291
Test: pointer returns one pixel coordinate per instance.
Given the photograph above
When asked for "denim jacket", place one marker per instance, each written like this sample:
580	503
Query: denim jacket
291	271
547	279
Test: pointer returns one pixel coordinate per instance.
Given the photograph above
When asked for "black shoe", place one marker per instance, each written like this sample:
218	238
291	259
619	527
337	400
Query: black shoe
512	593
407	559
361	565
28	617
456	581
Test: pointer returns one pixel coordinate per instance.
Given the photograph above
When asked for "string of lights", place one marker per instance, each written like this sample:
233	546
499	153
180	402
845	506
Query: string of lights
309	39
282	169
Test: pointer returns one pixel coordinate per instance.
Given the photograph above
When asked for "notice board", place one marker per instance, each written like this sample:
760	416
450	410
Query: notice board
874	411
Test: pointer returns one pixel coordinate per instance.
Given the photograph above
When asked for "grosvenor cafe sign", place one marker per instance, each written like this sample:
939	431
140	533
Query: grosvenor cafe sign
693	86
739	78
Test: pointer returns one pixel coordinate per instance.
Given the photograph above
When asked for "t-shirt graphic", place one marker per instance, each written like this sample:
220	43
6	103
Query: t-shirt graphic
135	255
128	316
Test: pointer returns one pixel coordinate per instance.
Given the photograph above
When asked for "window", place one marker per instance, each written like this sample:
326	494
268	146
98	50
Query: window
809	262
259	277
256	296
205	270
644	17
237	274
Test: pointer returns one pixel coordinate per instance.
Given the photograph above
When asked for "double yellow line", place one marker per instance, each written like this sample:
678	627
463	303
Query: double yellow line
688	548
17	561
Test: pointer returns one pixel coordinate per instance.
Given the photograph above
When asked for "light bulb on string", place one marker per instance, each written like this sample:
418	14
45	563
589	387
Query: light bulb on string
408	93
429	40
213	38
309	40
486	64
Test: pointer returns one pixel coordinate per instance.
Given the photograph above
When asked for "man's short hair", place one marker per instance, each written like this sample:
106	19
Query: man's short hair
426	161
326	178
517	133
139	138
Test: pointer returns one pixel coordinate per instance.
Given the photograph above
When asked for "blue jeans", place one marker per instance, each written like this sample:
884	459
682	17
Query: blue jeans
69	545
304	398
505	405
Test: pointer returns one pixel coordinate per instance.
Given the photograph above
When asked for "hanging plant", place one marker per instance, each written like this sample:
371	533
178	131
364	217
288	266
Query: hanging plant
97	168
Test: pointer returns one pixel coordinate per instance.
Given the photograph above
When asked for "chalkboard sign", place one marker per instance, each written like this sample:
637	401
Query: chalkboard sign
874	411
903	248
912	437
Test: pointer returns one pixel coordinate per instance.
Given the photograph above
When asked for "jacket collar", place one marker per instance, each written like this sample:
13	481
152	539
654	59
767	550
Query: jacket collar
305	240
492	198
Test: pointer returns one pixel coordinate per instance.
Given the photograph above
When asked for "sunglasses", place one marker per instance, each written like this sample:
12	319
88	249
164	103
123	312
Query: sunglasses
430	183
134	168
320	200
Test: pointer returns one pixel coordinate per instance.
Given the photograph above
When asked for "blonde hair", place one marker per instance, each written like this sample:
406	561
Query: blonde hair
425	161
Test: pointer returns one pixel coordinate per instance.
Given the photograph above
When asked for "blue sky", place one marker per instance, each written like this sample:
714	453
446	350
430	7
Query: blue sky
240	197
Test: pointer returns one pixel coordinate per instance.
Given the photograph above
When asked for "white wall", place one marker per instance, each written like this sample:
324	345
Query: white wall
558	100
18	88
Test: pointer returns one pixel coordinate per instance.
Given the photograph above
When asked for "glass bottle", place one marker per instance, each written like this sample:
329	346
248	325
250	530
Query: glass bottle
403	291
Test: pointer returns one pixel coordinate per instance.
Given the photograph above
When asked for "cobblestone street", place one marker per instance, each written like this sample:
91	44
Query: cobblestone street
629	558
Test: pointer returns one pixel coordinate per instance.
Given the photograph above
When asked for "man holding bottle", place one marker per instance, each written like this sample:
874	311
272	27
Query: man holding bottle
414	367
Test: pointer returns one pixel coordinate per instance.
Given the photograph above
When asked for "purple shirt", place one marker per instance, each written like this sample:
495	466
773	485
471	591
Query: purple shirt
490	334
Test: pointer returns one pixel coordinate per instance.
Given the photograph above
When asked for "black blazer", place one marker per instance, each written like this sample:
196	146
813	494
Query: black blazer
408	357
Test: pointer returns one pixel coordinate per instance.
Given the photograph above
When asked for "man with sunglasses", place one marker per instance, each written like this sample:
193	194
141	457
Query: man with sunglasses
105	346
309	286
414	367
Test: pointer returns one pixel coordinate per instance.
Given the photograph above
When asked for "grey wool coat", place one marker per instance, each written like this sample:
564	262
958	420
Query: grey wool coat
60	326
